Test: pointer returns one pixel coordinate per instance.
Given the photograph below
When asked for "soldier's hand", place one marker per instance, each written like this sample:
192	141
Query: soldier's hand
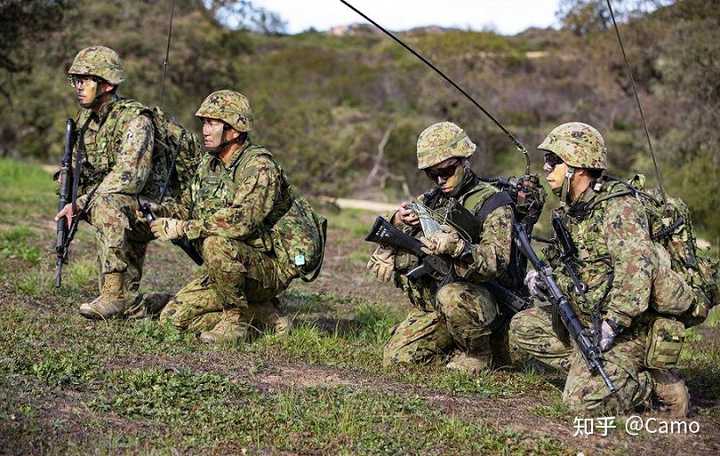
444	242
608	332
382	264
167	229
535	285
407	215
66	212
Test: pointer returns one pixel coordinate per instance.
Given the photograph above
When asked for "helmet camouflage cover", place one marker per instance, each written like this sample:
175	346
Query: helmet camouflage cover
99	61
441	141
579	145
231	107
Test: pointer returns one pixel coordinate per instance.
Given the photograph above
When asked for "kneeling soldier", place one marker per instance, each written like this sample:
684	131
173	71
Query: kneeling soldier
457	321
254	232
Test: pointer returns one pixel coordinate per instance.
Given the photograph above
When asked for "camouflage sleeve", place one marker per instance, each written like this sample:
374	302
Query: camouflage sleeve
258	186
133	161
633	259
491	255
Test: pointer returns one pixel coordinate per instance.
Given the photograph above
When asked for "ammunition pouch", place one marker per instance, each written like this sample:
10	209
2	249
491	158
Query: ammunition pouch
664	344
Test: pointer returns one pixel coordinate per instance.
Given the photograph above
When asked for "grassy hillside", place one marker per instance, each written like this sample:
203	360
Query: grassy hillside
324	103
69	385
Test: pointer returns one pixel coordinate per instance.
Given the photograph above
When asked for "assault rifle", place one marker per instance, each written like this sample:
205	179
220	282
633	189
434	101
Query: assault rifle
583	338
65	179
438	268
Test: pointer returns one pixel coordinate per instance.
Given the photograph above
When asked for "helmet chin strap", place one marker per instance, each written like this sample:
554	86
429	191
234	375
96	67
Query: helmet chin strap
565	194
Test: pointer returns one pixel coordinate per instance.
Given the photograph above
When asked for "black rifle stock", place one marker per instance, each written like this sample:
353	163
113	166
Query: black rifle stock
65	195
383	232
583	339
434	266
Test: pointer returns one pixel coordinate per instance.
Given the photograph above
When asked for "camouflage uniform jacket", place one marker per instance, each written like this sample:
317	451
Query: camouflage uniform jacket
491	254
615	258
241	201
119	151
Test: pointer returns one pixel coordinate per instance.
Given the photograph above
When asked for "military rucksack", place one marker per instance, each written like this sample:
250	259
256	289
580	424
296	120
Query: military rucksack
686	283
179	149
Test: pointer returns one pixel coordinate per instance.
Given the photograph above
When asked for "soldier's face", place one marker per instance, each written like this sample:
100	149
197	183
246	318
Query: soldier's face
86	89
212	130
447	174
555	176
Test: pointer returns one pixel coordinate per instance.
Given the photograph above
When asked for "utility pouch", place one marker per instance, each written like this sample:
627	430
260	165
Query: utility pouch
664	344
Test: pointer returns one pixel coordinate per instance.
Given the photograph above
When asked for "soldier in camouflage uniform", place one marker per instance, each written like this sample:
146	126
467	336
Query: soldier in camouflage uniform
239	214
118	138
458	320
617	261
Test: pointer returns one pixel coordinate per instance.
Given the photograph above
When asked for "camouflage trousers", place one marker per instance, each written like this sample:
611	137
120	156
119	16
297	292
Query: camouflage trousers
463	318
121	239
532	336
237	281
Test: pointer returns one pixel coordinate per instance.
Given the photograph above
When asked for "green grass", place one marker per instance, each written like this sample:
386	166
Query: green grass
69	385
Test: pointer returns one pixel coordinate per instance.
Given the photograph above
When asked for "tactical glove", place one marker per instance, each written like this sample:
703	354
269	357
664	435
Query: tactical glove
167	229
444	242
382	264
608	332
535	285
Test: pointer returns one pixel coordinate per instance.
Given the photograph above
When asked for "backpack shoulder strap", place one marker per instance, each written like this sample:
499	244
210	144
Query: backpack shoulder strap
495	201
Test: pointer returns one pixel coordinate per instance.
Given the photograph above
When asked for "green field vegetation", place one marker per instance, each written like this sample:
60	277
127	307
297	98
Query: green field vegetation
324	102
69	385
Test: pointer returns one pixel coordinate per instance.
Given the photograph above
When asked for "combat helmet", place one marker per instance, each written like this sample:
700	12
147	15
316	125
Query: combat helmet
99	61
579	145
231	107
441	141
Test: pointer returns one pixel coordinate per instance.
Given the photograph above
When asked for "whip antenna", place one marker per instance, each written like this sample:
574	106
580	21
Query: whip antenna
167	53
521	148
639	105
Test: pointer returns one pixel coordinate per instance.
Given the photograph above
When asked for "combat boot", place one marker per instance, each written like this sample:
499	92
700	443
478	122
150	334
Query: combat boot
228	330
112	300
470	363
671	392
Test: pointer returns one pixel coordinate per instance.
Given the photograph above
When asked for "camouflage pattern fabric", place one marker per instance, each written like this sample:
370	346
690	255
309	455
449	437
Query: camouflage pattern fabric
422	338
616	257
98	61
235	279
119	161
464	311
120	152
121	239
617	260
577	144
531	334
231	107
441	141
231	211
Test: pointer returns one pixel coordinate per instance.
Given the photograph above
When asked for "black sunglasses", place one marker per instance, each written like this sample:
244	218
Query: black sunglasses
445	172
552	160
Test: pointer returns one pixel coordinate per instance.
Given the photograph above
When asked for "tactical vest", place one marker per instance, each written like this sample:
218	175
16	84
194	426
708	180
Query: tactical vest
685	286
292	231
176	151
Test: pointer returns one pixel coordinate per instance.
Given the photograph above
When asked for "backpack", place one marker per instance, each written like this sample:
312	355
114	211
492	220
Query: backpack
686	284
179	150
303	233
